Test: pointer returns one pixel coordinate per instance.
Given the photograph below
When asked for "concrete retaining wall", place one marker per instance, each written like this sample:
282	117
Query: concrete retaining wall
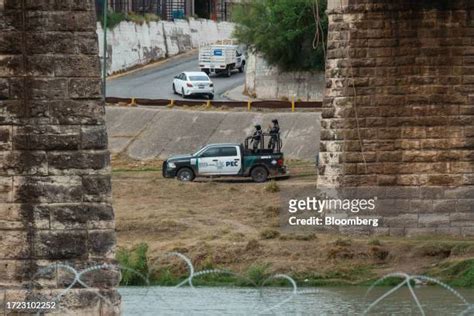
158	133
131	44
266	82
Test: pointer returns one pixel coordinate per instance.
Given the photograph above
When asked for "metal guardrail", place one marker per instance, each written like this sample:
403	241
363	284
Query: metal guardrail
249	105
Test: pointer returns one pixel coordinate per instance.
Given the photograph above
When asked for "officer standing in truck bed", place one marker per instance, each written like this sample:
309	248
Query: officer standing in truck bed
274	134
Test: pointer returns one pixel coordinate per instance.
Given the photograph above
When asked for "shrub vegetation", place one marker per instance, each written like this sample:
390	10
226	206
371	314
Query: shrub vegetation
284	31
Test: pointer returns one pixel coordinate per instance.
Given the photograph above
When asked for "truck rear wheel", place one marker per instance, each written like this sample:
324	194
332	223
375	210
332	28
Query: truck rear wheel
229	71
185	175
242	68
259	174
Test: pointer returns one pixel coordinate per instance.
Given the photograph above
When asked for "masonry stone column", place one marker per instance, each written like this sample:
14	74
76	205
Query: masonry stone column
55	189
398	109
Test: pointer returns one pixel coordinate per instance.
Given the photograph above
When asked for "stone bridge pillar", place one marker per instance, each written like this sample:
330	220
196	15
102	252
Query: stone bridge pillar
55	189
398	109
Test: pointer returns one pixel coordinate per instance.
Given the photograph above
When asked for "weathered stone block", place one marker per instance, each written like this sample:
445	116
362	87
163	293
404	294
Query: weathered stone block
39	111
11	65
46	89
5	138
86	44
450	231
63	5
76	66
46	137
94	137
9	270
4	89
90	112
467	231
61	244
433	220
34	215
80	216
102	243
10	43
41	65
6	188
402	220
397	231
14	245
23	162
413	232
72	162
10	212
97	188
49	43
44	21
465	205
421	206
444	206
466	192
55	189
67	216
85	88
462	217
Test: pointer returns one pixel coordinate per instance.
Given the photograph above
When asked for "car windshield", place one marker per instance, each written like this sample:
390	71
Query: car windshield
198	78
199	151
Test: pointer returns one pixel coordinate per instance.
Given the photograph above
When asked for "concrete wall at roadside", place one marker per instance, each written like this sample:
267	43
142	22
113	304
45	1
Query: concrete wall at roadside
130	44
158	133
266	82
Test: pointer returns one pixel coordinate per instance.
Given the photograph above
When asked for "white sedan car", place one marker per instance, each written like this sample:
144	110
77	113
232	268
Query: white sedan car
193	83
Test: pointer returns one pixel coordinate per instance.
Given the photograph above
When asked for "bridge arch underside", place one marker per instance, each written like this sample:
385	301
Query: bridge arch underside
398	109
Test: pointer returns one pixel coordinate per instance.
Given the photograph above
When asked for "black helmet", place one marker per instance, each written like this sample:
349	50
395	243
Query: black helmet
275	121
258	127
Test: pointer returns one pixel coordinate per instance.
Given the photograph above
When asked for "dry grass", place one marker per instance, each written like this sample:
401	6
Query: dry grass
235	223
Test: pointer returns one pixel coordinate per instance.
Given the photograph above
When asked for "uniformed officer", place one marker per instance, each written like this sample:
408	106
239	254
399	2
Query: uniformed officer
274	134
256	137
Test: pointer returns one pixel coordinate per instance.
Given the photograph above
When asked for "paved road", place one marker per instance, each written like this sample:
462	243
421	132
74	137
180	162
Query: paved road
156	82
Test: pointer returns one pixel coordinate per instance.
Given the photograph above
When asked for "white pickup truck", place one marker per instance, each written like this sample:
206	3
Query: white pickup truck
227	160
221	58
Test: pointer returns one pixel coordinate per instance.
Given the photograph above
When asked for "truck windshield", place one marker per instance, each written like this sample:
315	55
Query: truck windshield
198	78
197	153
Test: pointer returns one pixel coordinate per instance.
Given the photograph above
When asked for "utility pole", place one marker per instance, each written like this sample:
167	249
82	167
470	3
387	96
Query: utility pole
104	67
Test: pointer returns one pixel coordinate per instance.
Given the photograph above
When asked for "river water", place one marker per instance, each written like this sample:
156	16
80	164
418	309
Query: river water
212	301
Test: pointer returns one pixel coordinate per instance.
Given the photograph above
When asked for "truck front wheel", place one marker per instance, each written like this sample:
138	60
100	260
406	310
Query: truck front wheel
259	174
185	175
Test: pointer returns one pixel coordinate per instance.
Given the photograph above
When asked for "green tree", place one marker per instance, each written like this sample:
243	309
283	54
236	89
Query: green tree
284	31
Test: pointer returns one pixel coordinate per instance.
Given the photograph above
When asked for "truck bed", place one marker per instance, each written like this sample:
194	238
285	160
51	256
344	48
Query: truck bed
217	55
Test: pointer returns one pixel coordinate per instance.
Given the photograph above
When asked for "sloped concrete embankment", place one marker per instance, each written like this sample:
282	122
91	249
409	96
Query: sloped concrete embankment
143	133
